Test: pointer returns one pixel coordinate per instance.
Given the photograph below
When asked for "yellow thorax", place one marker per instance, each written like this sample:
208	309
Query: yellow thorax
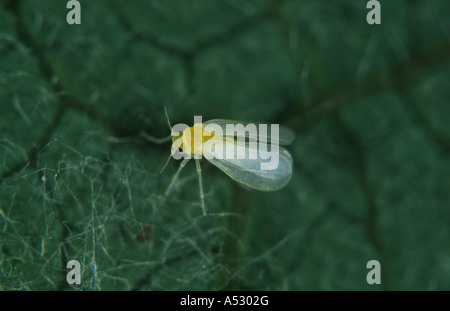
192	139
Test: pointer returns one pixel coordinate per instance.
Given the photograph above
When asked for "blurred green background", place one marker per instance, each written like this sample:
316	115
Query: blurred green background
369	105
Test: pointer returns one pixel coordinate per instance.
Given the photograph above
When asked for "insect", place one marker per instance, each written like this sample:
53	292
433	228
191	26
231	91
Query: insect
244	153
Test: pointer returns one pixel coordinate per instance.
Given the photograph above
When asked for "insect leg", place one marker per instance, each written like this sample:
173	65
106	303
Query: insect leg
167	162
175	177
200	182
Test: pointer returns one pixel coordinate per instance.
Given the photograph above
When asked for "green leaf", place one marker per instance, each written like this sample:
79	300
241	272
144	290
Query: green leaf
368	104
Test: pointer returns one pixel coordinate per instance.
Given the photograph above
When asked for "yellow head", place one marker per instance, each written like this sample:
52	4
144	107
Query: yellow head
190	141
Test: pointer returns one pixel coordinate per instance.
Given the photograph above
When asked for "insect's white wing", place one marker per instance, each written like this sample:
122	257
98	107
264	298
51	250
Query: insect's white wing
258	169
285	137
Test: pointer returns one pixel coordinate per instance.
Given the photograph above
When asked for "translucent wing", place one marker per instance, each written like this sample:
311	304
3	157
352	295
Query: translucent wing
286	136
258	168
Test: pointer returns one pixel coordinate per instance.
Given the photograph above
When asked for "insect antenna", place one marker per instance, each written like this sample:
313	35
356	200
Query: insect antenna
158	140
167	116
